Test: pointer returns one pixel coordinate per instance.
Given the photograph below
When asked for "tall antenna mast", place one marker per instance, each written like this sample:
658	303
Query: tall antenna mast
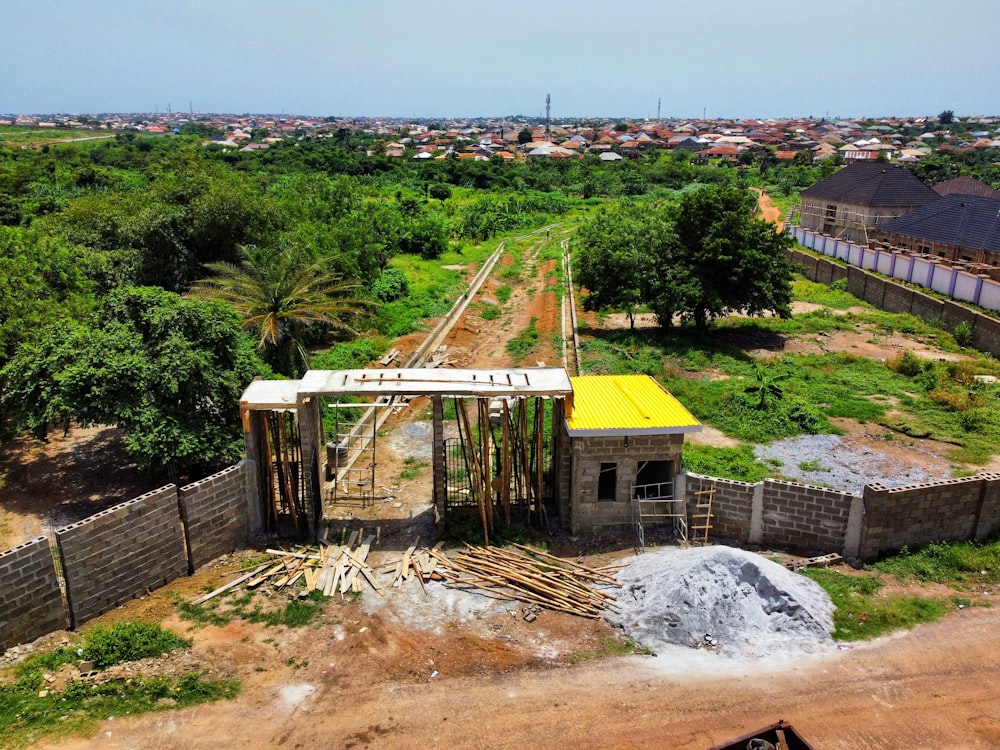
548	104
658	108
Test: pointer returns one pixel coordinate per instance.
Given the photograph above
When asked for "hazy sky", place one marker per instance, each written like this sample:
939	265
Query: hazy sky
727	58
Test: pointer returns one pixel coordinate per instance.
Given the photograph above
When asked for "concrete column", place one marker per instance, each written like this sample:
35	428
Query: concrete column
438	459
852	537
757	515
310	430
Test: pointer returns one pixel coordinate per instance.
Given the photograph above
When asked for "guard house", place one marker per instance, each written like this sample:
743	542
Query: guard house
625	436
601	451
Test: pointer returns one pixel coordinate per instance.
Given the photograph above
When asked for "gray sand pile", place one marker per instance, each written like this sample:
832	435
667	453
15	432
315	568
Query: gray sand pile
724	599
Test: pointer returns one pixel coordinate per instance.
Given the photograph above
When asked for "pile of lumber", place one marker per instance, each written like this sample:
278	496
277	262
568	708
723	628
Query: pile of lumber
413	564
326	568
532	577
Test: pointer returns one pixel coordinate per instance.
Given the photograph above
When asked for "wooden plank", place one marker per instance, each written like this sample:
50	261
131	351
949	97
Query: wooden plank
231	584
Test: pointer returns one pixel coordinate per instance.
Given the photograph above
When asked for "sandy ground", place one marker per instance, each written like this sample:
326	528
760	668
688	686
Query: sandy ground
366	686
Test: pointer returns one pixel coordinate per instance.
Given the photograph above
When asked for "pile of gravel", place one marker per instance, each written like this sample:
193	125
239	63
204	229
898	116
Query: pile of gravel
728	600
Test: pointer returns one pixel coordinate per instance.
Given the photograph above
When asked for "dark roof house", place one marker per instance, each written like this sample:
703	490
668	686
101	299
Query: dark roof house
955	227
965	185
860	196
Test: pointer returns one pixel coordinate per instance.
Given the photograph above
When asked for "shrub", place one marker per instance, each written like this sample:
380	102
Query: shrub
129	641
439	191
963	334
391	285
906	363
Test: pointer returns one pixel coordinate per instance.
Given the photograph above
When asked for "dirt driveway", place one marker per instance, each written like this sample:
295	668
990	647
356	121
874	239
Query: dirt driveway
933	687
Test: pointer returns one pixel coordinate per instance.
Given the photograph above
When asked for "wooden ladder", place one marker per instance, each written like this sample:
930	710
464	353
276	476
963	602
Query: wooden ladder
702	517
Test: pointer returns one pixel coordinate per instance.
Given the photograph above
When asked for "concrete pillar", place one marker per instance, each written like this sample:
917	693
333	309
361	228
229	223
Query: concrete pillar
757	515
310	434
852	537
438	459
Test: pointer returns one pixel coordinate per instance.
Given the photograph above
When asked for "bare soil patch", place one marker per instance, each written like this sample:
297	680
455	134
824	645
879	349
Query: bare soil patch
45	485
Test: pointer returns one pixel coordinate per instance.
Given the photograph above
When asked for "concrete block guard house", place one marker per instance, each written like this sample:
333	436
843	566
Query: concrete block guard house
625	436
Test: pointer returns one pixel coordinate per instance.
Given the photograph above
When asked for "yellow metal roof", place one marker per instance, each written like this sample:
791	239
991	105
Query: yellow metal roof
626	405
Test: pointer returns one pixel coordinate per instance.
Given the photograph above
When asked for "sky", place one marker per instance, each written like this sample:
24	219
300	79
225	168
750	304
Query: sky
387	58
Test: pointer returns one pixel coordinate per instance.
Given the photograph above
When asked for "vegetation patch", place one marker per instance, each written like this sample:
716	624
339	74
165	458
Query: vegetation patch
863	613
31	707
291	613
958	564
610	647
521	345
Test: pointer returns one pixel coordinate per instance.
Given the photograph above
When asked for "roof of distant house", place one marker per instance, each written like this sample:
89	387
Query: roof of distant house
965	185
872	184
962	220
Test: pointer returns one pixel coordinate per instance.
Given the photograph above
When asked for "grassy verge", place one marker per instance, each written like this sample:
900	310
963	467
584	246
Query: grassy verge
861	613
30	709
865	611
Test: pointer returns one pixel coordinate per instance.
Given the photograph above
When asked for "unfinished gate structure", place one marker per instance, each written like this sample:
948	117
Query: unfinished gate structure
603	450
500	467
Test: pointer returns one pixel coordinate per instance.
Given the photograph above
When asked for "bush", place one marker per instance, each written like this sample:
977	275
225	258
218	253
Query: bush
391	285
906	363
439	191
963	334
129	641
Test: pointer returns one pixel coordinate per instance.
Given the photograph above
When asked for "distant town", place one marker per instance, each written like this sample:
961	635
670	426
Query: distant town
811	140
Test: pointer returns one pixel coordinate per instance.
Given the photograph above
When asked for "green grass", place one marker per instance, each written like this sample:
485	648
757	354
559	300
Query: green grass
862	613
521	345
737	463
30	711
610	647
412	469
712	374
294	613
956	564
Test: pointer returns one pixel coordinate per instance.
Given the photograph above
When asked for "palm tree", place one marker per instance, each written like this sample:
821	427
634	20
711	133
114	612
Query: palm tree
280	295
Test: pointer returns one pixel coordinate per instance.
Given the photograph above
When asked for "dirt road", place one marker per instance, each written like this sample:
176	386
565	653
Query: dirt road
934	687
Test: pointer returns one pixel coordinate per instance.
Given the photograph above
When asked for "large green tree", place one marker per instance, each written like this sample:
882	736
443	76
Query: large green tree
281	296
613	257
700	259
725	260
168	371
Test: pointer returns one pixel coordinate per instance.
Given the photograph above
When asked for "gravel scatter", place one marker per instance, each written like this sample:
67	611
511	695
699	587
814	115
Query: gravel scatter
830	461
727	600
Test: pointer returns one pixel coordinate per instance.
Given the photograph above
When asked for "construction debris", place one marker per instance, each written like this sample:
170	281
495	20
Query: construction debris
822	561
537	579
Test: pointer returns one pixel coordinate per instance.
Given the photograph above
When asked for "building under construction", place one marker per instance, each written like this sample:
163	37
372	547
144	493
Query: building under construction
525	446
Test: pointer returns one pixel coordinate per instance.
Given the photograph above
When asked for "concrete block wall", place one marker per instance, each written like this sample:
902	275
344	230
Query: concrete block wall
121	553
988	518
587	514
893	296
804	518
916	515
31	602
732	506
215	511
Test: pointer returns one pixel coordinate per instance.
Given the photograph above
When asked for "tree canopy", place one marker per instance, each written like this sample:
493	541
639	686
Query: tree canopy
278	295
168	371
702	258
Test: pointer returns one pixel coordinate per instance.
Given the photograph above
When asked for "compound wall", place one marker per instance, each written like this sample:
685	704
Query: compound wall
31	602
216	516
121	553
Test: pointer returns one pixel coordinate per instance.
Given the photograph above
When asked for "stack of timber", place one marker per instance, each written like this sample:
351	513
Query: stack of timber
532	577
421	565
327	569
